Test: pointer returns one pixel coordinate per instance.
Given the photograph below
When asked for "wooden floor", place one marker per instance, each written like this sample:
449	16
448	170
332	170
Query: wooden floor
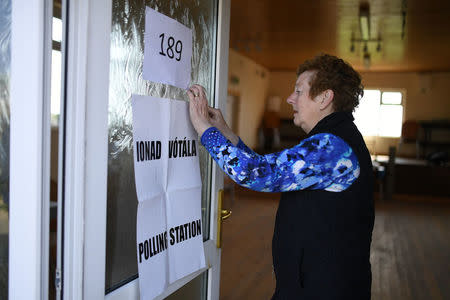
410	249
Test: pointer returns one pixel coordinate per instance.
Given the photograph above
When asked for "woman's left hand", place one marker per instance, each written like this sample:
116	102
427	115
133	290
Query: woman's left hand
198	108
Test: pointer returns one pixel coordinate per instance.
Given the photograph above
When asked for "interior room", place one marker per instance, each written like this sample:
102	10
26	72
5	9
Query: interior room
402	50
68	201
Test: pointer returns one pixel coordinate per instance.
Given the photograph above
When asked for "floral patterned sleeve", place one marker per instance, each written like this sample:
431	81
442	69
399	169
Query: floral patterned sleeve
320	162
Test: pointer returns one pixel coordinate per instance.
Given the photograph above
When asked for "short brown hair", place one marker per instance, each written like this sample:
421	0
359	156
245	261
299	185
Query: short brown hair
335	74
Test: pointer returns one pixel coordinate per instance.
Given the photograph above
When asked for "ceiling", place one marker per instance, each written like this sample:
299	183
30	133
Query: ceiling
283	33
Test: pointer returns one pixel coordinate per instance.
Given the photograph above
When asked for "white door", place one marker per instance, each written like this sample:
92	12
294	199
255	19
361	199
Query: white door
104	54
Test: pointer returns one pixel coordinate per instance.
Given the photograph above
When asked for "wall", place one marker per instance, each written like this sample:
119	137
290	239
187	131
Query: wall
250	82
426	93
426	98
282	84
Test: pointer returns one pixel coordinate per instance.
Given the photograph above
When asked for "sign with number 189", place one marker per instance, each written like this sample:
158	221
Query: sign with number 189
168	50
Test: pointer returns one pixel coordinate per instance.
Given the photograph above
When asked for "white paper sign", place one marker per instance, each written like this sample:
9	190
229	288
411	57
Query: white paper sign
168	185
168	50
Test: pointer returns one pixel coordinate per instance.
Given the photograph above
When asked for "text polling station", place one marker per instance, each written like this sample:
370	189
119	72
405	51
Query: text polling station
169	227
168	185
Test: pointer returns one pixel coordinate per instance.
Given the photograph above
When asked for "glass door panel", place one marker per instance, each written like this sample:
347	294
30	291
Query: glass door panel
127	53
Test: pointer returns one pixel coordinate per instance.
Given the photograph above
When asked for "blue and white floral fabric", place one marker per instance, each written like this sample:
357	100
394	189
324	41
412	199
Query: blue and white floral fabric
320	162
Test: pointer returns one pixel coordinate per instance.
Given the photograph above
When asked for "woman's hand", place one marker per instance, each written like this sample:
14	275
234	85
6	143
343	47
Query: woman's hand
198	109
203	116
217	120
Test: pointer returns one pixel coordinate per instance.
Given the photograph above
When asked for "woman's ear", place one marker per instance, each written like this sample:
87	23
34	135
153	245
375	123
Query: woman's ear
326	97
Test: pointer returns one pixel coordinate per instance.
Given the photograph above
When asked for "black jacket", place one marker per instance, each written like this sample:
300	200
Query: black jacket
321	241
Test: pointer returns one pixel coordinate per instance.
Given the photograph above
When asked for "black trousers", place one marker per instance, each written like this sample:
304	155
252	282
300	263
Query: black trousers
323	284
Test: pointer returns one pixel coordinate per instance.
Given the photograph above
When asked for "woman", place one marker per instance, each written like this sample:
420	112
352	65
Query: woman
324	222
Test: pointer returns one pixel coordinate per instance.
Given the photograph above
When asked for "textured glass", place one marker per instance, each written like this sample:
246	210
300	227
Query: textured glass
127	53
5	62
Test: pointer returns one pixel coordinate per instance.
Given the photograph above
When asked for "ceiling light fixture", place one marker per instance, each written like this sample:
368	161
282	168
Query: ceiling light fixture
364	20
378	47
366	60
404	9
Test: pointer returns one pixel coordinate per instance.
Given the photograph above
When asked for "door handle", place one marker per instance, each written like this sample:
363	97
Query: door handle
225	214
222	214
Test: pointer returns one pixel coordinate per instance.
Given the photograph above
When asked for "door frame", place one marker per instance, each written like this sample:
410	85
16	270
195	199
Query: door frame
86	147
29	206
86	157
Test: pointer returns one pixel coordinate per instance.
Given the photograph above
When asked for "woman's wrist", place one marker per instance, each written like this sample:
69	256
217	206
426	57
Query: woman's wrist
201	128
233	138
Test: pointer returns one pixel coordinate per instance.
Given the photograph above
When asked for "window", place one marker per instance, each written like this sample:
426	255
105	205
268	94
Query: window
380	113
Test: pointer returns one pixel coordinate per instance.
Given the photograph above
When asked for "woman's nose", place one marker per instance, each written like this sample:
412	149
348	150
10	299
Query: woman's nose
290	99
